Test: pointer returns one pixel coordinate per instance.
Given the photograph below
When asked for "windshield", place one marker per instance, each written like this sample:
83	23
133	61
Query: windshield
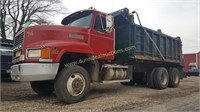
82	19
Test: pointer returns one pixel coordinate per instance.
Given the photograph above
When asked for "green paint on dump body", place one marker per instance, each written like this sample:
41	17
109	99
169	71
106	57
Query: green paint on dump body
127	33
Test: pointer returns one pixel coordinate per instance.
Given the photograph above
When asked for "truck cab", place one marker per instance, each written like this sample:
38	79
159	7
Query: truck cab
84	33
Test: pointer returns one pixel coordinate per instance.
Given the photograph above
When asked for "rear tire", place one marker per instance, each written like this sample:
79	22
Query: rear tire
42	87
150	76
161	78
174	77
72	84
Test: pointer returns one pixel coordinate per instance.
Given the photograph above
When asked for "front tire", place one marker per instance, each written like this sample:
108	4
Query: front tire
72	84
42	87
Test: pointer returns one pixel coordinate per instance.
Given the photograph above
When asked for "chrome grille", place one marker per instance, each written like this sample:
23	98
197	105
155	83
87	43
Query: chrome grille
18	40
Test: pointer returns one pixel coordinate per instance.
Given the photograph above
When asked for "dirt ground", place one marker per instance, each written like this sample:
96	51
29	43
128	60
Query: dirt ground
17	96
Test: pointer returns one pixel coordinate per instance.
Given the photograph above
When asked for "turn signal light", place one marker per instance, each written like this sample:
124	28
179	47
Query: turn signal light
45	53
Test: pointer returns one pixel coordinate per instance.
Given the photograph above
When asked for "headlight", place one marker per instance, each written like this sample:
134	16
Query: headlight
38	53
34	53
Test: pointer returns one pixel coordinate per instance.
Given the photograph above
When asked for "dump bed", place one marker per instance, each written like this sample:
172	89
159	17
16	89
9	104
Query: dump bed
127	33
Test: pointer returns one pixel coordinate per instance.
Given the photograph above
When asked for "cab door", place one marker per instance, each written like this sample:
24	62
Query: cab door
102	42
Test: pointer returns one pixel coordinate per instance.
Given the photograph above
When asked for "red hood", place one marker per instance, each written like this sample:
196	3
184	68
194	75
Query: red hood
39	33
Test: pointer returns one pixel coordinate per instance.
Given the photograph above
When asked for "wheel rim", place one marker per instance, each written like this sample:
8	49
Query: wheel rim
164	79
176	78
76	84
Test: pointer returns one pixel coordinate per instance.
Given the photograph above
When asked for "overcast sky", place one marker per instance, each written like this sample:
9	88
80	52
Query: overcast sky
173	17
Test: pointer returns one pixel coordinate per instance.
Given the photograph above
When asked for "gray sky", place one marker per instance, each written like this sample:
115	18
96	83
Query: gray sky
174	17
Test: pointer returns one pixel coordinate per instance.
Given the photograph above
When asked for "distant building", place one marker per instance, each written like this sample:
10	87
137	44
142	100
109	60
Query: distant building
191	61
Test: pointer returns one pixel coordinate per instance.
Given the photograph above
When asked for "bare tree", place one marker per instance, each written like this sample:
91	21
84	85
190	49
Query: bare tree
4	28
14	13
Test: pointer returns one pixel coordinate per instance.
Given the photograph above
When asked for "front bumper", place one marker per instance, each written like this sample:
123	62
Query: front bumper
34	71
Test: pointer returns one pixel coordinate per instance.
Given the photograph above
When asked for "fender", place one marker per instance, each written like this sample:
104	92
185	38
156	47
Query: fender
76	47
69	47
59	47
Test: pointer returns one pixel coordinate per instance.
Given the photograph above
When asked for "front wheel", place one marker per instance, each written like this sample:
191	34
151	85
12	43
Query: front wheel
72	84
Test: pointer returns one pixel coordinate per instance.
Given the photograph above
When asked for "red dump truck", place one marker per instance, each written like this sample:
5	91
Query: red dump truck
92	46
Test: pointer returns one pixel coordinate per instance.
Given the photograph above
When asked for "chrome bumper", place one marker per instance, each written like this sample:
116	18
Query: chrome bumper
34	71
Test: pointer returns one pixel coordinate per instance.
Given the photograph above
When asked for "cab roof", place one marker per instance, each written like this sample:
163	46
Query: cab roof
86	10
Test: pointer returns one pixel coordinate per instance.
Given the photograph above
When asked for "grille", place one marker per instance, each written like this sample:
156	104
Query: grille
18	40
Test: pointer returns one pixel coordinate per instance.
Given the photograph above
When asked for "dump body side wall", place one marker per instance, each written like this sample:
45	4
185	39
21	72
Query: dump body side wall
131	34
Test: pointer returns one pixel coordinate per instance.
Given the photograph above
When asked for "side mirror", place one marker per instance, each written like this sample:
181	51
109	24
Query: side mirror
109	23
